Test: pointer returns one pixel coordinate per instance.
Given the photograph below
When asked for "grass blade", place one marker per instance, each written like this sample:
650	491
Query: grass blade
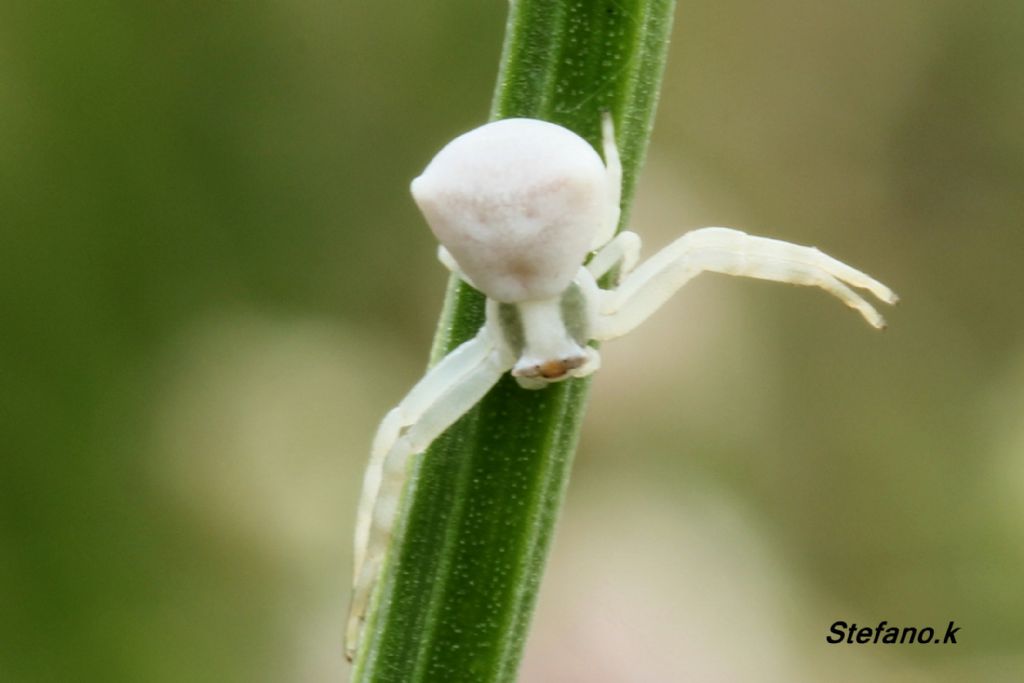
461	577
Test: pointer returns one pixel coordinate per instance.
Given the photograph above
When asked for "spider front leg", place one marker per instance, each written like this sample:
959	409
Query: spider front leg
723	250
447	392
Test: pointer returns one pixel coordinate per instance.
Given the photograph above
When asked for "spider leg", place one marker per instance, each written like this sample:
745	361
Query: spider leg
723	250
623	249
448	391
440	379
448	261
613	178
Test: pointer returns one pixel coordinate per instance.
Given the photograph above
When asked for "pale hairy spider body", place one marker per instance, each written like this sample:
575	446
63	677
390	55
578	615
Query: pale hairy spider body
518	205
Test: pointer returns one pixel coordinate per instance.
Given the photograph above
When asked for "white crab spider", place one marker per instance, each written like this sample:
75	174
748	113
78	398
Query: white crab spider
517	206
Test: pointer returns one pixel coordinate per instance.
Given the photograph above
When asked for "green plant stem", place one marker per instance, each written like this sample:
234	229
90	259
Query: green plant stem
462	573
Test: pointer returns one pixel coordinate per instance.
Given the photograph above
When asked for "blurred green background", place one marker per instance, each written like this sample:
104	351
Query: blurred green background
214	283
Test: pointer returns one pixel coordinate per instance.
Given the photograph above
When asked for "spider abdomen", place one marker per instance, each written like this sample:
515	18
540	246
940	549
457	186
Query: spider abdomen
517	203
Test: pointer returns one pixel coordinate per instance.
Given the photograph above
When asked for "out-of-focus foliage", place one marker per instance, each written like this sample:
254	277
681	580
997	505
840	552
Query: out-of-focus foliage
213	283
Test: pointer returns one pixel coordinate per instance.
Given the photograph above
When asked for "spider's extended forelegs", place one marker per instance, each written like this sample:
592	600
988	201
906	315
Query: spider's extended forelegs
448	391
724	250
